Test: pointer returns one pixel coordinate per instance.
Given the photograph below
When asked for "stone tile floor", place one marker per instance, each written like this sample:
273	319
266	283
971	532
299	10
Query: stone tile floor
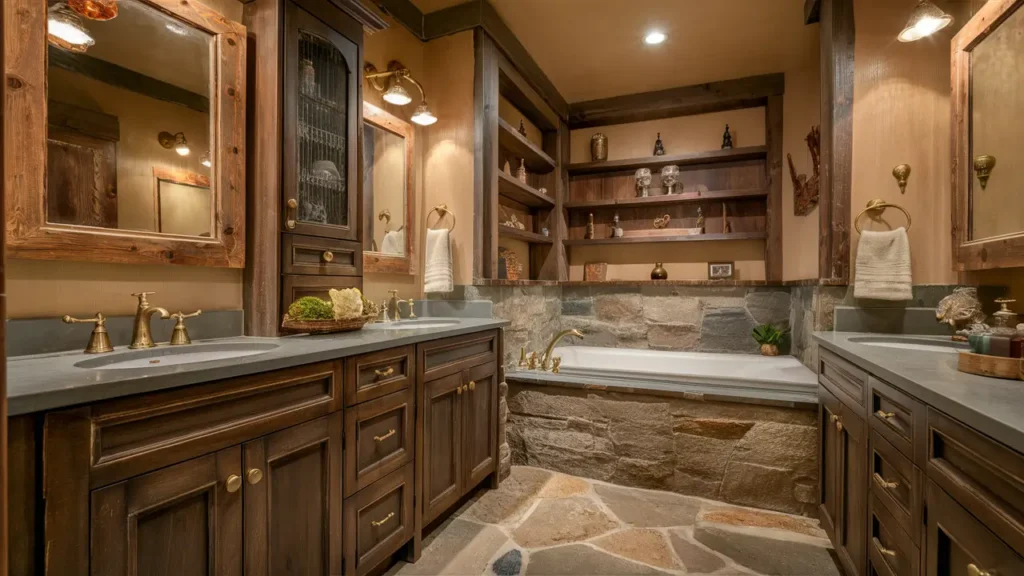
545	523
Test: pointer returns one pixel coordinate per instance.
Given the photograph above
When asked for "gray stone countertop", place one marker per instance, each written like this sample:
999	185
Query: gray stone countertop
49	381
991	405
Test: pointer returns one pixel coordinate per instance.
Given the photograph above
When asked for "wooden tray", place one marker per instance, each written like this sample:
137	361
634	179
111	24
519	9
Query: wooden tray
323	326
992	366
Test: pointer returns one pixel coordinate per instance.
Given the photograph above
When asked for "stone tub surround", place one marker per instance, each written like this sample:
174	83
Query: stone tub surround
747	454
543	523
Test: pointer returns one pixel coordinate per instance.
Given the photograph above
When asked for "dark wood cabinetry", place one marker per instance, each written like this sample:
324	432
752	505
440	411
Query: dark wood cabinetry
843	488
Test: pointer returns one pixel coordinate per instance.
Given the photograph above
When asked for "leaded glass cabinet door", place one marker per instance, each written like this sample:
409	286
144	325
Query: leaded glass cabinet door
321	116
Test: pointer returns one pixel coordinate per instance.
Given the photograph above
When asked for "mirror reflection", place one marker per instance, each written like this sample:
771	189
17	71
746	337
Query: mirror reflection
129	122
997	113
384	187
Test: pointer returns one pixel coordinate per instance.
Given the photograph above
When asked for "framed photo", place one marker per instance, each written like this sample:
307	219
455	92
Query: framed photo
720	270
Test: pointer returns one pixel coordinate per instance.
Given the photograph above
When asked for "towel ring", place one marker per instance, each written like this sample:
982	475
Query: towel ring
442	210
878	205
385	215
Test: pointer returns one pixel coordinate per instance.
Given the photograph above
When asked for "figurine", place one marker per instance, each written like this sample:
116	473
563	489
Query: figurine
962	311
522	128
521	171
727	139
598	147
659	148
643	182
659	272
662	221
700	219
805	191
669	177
616	229
590	227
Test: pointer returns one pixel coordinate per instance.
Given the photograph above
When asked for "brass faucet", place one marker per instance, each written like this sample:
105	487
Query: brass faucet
141	336
394	307
545	363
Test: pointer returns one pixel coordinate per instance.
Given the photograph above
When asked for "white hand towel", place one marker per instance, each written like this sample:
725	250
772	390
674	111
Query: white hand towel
438	276
883	266
393	242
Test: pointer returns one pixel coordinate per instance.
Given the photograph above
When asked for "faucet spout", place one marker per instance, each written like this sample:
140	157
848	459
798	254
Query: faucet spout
141	335
546	361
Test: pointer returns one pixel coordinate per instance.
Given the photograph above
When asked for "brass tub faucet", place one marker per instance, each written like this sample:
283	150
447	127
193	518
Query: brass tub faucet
546	363
141	335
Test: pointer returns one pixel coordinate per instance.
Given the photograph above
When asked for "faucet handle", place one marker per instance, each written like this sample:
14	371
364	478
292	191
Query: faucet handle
99	340
179	336
142	297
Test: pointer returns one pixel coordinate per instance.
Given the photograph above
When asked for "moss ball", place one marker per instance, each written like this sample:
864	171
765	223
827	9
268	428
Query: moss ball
311	308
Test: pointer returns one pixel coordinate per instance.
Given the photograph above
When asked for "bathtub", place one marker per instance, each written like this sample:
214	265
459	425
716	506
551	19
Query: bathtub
780	378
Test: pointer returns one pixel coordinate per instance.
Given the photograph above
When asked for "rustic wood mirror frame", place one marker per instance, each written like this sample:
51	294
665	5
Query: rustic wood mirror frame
1005	251
375	261
29	235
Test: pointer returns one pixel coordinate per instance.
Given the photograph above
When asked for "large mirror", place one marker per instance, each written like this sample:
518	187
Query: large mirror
144	132
988	86
387	189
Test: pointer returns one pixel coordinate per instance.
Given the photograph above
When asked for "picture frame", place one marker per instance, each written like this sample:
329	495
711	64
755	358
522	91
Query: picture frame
721	270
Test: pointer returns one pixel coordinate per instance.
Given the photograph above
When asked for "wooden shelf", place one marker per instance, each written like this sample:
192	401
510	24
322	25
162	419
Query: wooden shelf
667	200
656	162
681	238
531	237
513	189
537	161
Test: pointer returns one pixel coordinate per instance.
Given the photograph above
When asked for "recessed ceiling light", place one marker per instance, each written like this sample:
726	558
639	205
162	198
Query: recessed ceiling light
654	37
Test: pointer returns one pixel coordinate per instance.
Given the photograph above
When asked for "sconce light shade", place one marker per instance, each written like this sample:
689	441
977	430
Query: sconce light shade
65	30
423	115
397	95
175	141
925	20
205	159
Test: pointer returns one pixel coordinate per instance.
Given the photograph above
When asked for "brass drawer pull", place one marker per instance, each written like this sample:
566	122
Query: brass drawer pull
386	436
328	256
292	204
458	390
472	385
839	424
233	483
385	372
888	485
973	570
885	415
885	551
381	522
254	476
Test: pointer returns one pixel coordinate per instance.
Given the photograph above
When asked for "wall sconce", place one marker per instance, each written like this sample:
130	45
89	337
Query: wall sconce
395	93
64	29
175	141
925	20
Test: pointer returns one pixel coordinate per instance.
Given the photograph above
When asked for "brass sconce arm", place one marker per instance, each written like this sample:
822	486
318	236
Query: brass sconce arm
396	71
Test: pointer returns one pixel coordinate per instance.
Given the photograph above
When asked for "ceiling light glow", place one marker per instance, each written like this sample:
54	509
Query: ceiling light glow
654	37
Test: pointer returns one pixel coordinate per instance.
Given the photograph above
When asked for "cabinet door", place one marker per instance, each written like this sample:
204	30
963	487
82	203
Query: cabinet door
828	415
183	519
480	418
443	477
959	545
321	113
293	500
851	490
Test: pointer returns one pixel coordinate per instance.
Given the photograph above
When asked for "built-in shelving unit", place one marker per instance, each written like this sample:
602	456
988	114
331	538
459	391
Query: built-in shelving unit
514	190
524	235
519	146
667	238
667	199
655	163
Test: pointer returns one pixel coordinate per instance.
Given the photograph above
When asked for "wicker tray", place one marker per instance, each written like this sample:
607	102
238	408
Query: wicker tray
992	366
323	326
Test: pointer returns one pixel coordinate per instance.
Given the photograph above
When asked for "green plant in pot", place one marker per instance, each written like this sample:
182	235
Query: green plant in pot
769	337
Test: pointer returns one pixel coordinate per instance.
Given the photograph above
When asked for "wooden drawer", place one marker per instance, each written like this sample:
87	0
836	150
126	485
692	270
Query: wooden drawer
443	357
320	256
899	418
379	438
957	541
846	381
896	484
294	287
134	435
377	374
890	550
982	475
378	521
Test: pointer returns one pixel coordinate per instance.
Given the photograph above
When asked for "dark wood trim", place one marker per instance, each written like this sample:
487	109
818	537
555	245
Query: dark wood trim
406	13
669	200
23	497
485	197
66	454
4	504
83	121
656	162
513	189
773	253
837	41
748	92
368	18
114	75
659	239
812	11
452	19
524	235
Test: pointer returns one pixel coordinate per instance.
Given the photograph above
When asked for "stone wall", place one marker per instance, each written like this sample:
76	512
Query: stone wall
747	454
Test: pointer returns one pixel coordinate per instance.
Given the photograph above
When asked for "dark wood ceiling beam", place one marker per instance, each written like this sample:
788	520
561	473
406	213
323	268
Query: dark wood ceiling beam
683	101
406	13
812	11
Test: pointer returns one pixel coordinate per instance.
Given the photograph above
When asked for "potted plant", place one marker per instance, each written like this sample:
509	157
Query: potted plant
769	337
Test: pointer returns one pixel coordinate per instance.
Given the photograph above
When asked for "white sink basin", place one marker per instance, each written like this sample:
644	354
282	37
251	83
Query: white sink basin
919	344
175	355
418	324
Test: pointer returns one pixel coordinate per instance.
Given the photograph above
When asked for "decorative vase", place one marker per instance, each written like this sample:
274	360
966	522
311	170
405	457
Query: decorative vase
590	227
598	147
769	349
643	182
669	177
659	272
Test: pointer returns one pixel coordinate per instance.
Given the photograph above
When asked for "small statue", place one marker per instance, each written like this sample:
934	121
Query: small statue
962	311
662	221
700	219
522	127
590	227
669	178
521	171
659	148
805	190
727	139
643	182
616	229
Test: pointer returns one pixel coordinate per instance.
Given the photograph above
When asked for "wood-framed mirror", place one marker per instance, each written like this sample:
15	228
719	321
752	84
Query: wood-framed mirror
387	188
130	127
988	111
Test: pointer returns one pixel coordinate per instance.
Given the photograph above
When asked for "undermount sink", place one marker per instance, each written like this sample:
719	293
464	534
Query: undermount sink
906	343
175	355
417	324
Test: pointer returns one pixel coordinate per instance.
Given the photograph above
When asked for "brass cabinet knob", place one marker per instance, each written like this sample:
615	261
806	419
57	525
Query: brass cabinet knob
833	418
887	484
290	222
882	549
293	203
328	256
234	482
472	385
458	390
254	476
973	570
839	424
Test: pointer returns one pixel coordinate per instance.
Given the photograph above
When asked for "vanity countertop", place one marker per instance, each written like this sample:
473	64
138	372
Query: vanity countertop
48	381
991	405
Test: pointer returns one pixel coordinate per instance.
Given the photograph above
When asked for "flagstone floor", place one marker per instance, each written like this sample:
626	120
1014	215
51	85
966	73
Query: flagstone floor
542	523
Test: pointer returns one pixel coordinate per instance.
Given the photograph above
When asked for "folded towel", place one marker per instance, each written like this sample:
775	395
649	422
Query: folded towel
393	242
883	266
438	276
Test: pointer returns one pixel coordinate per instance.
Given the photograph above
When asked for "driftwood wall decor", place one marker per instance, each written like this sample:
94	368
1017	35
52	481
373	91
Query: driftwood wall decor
806	190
